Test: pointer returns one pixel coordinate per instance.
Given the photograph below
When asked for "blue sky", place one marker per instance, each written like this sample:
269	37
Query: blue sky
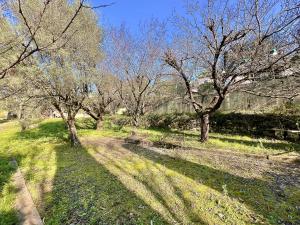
131	12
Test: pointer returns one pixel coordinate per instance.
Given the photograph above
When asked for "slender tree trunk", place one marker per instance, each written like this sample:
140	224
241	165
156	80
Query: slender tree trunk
99	123
135	120
75	142
204	127
22	119
22	111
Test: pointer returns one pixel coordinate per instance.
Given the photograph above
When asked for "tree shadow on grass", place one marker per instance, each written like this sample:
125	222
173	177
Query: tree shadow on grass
283	146
161	193
8	218
255	193
83	191
7	169
54	130
3	121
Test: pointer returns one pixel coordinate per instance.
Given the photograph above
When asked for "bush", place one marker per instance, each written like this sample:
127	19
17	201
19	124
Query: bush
120	120
159	121
232	123
288	108
253	124
29	123
171	121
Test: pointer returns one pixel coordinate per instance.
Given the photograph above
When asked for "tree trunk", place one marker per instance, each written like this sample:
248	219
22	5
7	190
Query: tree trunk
22	111
204	127
135	121
75	142
99	123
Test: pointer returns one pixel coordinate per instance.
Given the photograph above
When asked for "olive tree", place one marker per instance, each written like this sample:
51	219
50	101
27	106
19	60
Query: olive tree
32	26
62	77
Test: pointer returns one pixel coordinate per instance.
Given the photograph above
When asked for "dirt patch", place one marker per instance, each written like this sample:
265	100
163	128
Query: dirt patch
282	170
101	142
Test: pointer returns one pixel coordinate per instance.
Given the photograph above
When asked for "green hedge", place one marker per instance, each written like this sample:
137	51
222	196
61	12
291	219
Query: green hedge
253	124
234	123
171	121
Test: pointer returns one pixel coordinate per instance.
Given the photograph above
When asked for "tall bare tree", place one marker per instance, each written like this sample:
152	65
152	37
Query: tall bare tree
225	46
136	60
102	96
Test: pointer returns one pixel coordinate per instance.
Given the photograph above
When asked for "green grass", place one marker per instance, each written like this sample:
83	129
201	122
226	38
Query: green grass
236	143
7	192
68	185
108	182
7	197
164	184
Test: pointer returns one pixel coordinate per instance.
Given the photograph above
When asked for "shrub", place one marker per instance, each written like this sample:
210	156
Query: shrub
118	120
232	123
253	124
171	121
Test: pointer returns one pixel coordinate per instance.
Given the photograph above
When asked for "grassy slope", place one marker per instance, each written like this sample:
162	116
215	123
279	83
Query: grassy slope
67	184
132	185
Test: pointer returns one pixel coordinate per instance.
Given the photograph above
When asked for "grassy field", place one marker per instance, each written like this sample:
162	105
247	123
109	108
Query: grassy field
235	143
109	181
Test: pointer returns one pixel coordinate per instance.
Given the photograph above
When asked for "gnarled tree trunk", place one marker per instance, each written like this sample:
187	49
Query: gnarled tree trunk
204	127
70	122
75	142
135	120
97	116
99	123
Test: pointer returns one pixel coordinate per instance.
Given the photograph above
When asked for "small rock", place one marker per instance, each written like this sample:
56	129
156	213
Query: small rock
222	216
132	140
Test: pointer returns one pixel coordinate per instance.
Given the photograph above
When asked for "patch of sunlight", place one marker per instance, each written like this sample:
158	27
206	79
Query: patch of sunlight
8	192
103	133
240	144
178	198
7	203
35	153
39	169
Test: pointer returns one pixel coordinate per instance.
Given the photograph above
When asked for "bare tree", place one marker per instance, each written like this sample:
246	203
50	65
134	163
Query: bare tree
227	46
102	97
137	63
